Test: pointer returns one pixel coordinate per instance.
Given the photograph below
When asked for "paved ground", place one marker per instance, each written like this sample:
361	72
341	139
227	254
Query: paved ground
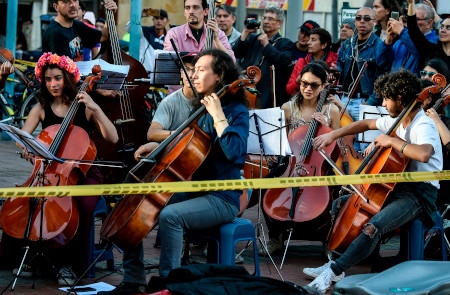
300	254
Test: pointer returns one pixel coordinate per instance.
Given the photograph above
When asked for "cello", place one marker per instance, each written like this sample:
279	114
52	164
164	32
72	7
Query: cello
361	207
54	220
305	203
129	114
175	159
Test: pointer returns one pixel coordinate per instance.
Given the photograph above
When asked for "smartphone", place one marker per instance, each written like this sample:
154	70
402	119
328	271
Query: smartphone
395	15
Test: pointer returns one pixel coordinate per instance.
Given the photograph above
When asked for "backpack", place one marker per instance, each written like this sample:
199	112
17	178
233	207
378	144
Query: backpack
217	279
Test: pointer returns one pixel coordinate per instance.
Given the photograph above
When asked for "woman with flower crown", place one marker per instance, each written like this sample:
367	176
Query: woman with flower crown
58	77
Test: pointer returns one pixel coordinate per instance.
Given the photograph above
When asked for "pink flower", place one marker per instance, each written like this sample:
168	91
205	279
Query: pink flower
63	62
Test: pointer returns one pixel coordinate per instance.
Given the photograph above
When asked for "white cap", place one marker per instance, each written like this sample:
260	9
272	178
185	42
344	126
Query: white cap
89	16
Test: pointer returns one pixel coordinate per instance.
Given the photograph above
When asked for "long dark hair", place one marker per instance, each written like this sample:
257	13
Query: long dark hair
70	89
222	64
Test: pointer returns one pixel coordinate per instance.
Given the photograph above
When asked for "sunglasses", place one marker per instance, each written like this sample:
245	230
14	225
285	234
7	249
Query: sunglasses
424	73
366	18
314	85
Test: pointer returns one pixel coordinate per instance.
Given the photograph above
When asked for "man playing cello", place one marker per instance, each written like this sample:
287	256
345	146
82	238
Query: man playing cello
417	139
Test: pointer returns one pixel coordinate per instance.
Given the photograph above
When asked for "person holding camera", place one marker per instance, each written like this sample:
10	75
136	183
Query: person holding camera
265	50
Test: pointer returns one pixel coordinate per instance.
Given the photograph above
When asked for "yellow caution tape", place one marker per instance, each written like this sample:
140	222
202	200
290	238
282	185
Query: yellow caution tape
217	185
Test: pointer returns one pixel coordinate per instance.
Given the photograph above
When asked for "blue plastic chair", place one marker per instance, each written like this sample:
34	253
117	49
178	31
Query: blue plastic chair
101	211
226	238
416	237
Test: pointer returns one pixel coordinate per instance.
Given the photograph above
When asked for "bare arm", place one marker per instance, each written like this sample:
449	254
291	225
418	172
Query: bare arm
356	127
157	133
94	113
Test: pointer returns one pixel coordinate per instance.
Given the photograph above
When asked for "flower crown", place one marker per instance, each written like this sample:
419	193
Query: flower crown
63	62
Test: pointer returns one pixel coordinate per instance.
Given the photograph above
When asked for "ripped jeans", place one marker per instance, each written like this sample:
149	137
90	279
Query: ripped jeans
401	206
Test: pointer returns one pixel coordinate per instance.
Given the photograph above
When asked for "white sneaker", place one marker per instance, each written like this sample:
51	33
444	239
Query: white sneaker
273	245
66	276
324	280
315	272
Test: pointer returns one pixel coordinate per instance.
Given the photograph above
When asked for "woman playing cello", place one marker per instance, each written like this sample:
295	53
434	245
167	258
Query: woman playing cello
227	123
417	139
58	77
300	111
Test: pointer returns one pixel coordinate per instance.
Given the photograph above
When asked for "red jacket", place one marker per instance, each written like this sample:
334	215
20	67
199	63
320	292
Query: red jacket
292	87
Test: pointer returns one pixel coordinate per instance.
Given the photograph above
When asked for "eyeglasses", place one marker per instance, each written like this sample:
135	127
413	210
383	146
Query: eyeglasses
314	85
269	18
190	70
447	27
366	18
422	18
424	73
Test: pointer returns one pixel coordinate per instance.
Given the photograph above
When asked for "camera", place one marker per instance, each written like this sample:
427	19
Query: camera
251	23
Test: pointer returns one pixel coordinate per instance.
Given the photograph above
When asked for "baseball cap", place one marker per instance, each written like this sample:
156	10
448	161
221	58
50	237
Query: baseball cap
163	13
308	26
188	56
89	16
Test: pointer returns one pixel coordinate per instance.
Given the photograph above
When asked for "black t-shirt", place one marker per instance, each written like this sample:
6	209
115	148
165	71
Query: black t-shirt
69	41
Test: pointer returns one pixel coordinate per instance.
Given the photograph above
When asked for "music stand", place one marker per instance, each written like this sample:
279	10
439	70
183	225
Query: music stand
27	141
266	137
166	68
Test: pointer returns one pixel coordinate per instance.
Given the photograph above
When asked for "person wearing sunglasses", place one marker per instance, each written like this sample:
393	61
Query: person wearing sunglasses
301	110
427	49
319	49
398	49
354	53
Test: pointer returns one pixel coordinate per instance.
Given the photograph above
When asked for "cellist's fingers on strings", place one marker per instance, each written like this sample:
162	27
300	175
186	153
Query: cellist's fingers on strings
213	106
87	100
433	114
369	149
110	5
321	118
212	24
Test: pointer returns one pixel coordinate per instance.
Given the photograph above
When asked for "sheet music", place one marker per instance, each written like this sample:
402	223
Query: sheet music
273	132
26	140
86	67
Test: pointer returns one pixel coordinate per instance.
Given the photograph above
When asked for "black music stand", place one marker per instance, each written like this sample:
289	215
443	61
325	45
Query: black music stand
166	70
266	137
33	146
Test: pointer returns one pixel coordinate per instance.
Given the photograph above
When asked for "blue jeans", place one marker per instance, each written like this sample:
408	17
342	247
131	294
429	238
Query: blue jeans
401	206
175	219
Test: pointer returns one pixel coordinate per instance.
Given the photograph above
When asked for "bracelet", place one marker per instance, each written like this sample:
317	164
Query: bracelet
403	147
223	120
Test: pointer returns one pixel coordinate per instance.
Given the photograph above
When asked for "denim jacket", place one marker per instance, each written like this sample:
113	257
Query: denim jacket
376	66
